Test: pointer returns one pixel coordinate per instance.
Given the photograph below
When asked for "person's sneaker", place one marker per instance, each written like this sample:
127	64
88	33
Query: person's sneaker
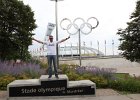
49	76
56	76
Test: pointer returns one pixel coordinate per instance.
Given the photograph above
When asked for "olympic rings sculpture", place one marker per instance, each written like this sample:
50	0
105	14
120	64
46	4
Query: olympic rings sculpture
79	27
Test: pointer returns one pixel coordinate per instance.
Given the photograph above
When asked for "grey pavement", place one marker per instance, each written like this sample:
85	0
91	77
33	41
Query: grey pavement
101	94
111	97
120	64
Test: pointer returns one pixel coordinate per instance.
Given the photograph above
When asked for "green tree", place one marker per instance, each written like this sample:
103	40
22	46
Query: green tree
16	25
130	37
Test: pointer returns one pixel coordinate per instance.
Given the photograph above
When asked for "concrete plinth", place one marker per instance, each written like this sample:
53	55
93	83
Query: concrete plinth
45	87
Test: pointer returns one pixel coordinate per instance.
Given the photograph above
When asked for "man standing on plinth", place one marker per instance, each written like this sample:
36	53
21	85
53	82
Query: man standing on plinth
51	53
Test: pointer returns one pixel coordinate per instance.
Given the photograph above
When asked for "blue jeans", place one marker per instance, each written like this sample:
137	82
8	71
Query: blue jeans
52	59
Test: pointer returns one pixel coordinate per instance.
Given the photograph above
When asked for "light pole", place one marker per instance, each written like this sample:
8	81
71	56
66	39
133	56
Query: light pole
56	22
105	47
84	27
98	47
113	47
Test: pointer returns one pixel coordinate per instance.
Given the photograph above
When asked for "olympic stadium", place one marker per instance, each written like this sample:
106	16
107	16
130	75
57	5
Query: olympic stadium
67	51
74	51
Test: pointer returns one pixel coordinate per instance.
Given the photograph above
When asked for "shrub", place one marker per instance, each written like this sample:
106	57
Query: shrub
23	76
100	81
100	76
43	65
72	76
64	68
129	85
67	68
107	73
5	80
32	69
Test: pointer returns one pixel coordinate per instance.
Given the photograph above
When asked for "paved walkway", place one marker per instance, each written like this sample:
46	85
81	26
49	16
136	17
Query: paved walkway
101	94
112	97
122	65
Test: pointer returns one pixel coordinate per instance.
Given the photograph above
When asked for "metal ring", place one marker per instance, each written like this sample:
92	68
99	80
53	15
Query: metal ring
69	27
65	19
97	22
83	26
76	25
79	27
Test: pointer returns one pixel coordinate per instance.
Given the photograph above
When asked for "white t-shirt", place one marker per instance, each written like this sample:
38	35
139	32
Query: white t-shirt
51	47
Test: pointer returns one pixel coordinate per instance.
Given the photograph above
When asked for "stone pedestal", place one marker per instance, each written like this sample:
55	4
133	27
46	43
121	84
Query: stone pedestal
50	87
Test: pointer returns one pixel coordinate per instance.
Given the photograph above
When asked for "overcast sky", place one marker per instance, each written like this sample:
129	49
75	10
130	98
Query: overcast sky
112	15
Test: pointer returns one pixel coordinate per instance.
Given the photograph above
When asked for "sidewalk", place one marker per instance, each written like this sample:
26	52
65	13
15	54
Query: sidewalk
101	94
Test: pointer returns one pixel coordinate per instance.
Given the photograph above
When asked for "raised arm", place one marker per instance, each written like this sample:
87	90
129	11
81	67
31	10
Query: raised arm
38	41
64	39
